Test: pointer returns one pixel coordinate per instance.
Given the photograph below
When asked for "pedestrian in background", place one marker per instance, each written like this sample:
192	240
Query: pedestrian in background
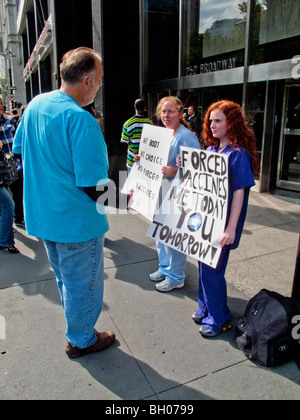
7	132
193	121
132	131
16	117
226	131
64	159
171	270
7	207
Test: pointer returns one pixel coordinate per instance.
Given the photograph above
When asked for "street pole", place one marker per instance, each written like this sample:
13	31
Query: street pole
10	81
296	285
10	55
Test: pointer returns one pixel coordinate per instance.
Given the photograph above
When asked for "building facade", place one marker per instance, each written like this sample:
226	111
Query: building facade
11	57
246	51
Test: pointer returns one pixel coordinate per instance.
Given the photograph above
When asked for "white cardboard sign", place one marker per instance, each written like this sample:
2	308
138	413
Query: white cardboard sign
193	213
145	177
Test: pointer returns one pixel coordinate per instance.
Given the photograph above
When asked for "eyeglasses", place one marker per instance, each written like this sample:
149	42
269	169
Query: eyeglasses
170	112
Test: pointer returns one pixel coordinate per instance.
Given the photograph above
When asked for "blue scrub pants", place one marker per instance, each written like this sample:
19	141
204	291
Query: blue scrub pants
212	298
171	264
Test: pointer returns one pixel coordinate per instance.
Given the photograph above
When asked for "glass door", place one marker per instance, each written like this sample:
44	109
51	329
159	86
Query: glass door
289	157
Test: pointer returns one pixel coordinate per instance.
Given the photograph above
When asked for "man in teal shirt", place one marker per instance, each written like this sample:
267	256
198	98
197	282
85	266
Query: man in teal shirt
65	159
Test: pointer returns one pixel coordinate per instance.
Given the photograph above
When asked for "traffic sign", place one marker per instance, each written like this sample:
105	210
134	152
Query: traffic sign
11	88
11	98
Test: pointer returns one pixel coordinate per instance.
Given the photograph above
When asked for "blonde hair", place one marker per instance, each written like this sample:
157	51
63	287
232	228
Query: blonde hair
179	105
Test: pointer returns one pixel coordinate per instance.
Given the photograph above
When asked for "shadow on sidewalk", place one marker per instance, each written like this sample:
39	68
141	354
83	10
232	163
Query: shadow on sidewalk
272	217
132	379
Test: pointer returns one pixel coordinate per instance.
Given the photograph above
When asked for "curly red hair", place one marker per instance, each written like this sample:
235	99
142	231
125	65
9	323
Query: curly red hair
238	131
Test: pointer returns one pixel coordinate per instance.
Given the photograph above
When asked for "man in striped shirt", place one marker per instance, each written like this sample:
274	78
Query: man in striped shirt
132	131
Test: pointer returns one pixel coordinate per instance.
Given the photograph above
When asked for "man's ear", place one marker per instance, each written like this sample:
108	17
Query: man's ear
86	81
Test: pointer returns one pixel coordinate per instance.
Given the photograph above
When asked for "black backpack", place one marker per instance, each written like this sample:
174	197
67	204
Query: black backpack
268	331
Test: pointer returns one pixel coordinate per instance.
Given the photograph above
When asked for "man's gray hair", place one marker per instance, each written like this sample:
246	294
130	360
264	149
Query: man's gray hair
77	64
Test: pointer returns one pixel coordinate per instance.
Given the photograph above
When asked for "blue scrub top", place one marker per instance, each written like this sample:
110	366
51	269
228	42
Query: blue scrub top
63	150
240	176
183	137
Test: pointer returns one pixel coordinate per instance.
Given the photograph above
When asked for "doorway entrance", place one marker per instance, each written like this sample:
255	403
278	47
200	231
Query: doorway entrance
289	153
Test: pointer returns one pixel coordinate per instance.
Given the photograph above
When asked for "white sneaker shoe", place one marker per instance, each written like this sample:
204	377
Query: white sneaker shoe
157	276
166	286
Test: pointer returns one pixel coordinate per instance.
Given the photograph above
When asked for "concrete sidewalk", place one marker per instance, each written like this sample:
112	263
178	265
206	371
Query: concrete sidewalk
159	353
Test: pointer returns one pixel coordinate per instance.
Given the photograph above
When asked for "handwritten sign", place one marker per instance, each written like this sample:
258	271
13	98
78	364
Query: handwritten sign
193	214
145	177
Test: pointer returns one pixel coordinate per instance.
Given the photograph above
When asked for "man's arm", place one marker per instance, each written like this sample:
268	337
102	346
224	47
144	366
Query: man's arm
109	195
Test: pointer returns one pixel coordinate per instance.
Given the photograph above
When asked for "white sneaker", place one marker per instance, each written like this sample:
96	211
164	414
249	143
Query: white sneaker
166	286
157	276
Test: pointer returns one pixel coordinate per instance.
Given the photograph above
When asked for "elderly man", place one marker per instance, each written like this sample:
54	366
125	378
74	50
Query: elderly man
65	158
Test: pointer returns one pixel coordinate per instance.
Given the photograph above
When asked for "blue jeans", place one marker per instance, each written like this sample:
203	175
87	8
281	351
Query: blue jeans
171	263
212	296
79	271
7	207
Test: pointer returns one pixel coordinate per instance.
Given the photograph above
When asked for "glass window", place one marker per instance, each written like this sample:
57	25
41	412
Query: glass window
256	96
290	158
42	15
201	99
279	20
161	39
276	30
214	35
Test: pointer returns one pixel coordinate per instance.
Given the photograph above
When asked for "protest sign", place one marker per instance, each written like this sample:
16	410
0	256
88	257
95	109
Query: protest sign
146	176
193	214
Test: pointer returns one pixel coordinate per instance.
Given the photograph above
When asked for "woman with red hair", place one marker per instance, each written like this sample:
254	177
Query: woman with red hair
225	131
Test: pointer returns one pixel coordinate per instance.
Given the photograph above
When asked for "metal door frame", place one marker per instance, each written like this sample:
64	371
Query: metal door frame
288	185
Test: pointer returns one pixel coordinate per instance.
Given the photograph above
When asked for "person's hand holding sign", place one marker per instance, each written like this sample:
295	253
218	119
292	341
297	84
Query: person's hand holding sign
169	171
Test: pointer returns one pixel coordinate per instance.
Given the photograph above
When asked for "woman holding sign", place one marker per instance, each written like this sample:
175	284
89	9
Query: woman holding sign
170	274
225	131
